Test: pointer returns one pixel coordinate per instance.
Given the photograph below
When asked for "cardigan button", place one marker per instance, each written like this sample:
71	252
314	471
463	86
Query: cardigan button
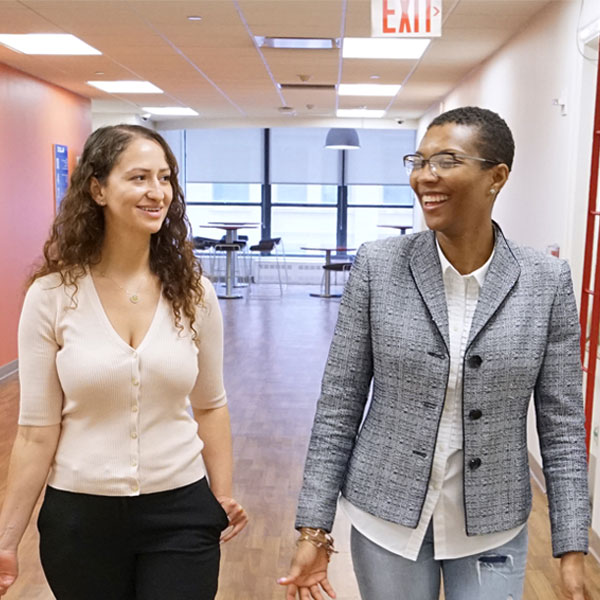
475	414
474	464
475	361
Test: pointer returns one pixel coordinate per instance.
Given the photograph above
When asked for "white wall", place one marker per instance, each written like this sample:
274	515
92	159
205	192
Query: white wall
545	199
100	119
539	205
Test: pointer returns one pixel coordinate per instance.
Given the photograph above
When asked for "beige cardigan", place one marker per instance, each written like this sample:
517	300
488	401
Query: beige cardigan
126	427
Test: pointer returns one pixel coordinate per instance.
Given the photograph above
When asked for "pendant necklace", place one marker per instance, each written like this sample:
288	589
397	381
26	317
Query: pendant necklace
134	297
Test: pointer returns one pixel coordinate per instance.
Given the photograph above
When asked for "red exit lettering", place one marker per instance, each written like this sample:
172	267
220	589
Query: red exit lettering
404	25
387	12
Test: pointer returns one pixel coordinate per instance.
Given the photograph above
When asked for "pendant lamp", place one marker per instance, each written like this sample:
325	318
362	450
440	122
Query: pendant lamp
342	139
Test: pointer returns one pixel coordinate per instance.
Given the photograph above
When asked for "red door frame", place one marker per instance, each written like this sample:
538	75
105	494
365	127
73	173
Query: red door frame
589	292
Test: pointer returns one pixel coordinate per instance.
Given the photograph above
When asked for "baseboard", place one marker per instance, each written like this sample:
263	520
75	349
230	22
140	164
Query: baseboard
8	369
595	545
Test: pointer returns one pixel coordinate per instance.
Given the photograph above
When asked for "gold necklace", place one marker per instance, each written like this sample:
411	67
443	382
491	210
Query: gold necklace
134	297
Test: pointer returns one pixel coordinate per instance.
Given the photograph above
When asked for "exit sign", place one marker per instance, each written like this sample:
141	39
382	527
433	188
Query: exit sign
406	18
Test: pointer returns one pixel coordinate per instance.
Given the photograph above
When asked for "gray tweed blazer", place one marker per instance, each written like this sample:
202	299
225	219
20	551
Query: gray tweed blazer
392	330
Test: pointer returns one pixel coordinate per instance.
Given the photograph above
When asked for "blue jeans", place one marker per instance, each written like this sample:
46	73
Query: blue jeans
493	575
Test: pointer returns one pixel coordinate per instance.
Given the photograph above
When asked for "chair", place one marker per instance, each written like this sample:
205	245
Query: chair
334	267
228	276
201	244
269	247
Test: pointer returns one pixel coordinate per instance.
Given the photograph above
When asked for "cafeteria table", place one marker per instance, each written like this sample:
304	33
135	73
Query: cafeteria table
327	282
231	229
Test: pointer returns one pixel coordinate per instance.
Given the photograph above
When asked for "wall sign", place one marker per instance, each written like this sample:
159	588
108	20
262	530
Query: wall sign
406	18
61	172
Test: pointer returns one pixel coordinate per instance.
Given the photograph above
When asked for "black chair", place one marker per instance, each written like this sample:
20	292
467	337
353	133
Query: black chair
203	243
341	266
338	266
269	247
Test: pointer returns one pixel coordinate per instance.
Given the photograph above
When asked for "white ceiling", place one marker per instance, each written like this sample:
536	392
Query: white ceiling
214	67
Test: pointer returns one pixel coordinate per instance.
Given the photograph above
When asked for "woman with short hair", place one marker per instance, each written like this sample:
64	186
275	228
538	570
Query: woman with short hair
455	328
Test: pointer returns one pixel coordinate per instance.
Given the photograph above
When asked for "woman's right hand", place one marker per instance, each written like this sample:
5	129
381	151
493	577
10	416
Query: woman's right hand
8	569
308	574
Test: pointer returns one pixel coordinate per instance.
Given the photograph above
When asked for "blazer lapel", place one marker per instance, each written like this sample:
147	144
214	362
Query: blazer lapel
502	275
427	274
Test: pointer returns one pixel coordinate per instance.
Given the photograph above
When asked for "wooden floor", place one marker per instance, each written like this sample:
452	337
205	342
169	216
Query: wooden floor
275	351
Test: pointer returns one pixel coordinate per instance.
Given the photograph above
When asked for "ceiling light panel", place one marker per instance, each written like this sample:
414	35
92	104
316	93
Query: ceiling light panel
47	43
384	48
126	87
297	43
360	113
179	111
368	89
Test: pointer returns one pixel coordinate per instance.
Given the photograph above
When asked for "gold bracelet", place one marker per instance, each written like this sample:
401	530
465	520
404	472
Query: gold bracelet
318	538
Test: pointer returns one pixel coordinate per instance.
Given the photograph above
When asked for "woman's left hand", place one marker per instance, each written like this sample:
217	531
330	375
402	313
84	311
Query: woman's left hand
238	518
571	573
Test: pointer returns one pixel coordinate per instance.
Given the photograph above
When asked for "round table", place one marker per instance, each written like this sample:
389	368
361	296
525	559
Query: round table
231	230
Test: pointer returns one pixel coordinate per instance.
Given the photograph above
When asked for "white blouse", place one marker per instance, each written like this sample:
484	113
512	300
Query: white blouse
444	500
126	427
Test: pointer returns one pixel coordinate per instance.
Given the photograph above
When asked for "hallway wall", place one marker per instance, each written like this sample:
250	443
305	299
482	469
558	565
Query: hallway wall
34	115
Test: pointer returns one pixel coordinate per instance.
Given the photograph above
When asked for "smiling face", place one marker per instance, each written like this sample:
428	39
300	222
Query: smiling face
460	199
137	192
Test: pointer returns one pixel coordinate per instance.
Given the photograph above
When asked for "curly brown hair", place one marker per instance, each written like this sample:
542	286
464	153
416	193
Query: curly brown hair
77	233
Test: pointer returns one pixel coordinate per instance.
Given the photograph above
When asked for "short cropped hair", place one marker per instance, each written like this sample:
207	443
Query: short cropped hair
495	141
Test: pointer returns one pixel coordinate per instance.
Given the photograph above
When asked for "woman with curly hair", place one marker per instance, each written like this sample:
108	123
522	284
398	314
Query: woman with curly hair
119	336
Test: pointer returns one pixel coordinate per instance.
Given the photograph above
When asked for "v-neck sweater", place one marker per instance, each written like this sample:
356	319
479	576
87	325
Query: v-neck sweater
126	427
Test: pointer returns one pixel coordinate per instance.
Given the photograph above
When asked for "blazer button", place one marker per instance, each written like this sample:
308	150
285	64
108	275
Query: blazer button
475	361
475	414
474	464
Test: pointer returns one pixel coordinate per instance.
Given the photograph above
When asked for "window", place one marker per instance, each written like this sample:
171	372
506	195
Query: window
223	174
229	193
303	194
202	215
304	226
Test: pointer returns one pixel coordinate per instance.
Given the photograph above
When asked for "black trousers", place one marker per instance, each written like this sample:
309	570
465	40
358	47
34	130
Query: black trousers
150	547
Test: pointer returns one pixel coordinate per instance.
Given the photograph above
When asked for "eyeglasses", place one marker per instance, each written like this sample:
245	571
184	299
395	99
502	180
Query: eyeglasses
439	163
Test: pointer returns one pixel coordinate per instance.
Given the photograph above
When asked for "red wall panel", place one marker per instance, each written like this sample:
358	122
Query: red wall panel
34	115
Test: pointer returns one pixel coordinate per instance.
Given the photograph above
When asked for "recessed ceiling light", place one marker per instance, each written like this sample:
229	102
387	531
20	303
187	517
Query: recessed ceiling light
194	18
175	111
374	77
368	89
126	87
360	113
297	43
47	43
99	73
390	48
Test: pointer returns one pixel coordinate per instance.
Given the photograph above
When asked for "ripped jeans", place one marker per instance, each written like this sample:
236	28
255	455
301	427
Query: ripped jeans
496	574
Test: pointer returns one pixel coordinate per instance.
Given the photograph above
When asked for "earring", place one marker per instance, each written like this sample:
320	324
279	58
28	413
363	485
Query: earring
493	191
101	203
